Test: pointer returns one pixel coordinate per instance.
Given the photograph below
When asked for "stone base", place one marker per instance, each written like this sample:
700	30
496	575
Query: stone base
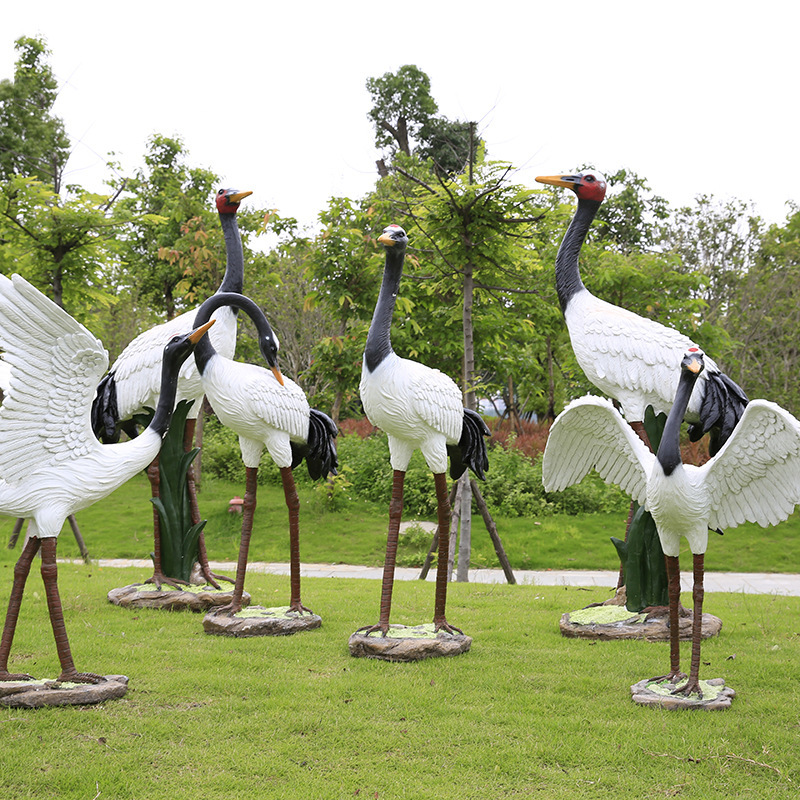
259	621
616	622
405	643
716	696
35	694
193	598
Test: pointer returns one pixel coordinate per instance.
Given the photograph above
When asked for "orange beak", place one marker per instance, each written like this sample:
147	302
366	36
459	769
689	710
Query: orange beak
198	333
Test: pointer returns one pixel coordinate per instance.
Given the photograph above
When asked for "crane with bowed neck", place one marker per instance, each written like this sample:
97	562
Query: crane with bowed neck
132	386
754	477
631	358
418	407
268	411
51	464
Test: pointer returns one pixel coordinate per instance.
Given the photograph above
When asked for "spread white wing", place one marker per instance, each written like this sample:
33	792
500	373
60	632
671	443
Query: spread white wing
55	366
755	477
591	434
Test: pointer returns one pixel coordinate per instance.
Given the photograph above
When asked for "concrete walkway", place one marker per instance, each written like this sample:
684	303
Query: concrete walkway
738	582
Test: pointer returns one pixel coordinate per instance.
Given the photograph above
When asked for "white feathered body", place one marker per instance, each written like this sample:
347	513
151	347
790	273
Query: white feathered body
249	400
755	477
417	406
633	359
137	370
51	465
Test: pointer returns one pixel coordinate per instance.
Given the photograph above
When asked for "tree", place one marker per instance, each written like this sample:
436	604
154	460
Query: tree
404	114
63	246
33	142
175	249
764	318
717	239
344	271
401	105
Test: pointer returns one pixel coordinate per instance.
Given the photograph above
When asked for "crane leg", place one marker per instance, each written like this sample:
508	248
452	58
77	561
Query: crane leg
698	592
248	512
21	571
293	504
443	509
191	486
50	580
395	516
674	591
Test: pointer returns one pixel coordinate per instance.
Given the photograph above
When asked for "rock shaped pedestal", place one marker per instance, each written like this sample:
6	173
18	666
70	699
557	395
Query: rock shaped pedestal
39	693
167	598
408	643
609	621
716	695
259	621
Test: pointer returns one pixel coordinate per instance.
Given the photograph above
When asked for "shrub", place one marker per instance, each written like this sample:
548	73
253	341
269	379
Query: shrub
513	486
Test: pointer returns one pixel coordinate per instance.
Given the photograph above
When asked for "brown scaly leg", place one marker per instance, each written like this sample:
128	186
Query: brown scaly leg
248	512
191	486
21	571
159	577
693	684
293	504
50	580
674	590
443	508
395	515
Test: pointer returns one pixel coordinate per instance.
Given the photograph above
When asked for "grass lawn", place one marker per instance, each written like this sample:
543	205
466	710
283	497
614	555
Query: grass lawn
526	713
121	526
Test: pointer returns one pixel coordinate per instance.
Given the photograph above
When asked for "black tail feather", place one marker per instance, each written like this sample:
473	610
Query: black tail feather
319	450
723	404
470	452
105	414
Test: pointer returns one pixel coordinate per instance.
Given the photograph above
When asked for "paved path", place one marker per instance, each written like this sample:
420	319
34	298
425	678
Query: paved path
740	582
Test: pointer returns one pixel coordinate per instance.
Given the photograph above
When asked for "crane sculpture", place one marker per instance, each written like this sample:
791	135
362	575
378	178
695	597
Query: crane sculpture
266	410
754	477
133	384
418	407
51	464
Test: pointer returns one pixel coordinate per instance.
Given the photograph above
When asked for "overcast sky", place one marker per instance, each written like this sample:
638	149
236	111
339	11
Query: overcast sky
697	97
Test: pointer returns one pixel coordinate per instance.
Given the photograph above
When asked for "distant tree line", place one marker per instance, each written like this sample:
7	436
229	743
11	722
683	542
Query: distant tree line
478	300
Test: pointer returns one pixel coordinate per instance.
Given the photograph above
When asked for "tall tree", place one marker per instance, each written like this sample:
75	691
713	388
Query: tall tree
764	318
718	239
401	105
33	141
176	252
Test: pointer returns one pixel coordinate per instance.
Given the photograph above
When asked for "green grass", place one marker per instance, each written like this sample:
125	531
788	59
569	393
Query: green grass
526	713
121	526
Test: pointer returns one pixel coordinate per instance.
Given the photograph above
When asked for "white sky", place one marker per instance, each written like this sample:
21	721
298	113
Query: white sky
697	97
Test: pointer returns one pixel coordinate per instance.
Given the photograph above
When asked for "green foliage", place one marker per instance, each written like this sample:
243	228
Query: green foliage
179	536
175	246
765	316
401	105
62	246
33	142
514	488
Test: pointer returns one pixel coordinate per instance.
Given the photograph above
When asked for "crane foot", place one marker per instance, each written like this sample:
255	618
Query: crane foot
15	676
299	608
383	627
160	578
80	677
444	625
